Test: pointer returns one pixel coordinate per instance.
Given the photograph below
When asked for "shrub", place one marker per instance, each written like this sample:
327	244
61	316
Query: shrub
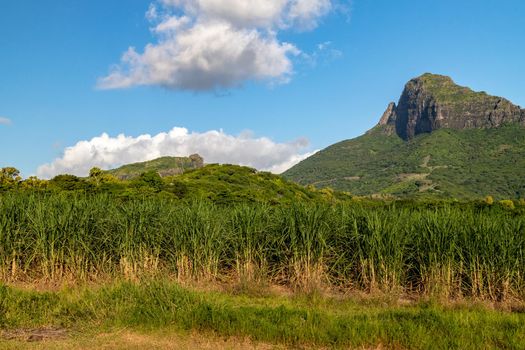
507	203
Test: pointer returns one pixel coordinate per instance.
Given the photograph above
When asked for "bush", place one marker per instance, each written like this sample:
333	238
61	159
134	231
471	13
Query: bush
507	203
69	183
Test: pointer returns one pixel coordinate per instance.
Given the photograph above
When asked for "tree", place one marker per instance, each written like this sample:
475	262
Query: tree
151	179
99	177
33	183
178	188
95	173
68	182
9	177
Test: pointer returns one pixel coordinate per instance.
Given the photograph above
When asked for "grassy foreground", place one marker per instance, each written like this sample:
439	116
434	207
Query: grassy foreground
162	308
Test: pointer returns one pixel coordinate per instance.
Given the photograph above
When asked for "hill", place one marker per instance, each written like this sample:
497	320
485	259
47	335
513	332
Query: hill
165	166
189	178
440	140
218	183
232	183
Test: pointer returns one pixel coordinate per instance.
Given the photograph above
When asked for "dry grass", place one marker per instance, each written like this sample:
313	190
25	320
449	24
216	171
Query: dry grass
129	340
125	339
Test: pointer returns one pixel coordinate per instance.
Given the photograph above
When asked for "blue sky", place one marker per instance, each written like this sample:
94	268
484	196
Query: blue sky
54	55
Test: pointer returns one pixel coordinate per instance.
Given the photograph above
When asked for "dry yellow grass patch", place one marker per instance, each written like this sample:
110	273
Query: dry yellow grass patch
131	340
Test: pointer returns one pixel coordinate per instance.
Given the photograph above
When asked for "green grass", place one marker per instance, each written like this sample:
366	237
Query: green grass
296	321
445	90
463	164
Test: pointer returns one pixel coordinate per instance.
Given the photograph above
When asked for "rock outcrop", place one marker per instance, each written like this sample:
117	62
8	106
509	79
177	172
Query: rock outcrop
196	161
432	102
389	116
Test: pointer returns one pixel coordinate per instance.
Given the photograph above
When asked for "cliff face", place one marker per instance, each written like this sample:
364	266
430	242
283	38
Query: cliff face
432	102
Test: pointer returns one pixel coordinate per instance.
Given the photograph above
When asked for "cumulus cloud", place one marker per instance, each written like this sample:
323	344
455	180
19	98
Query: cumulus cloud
214	146
204	57
216	44
241	13
306	13
5	121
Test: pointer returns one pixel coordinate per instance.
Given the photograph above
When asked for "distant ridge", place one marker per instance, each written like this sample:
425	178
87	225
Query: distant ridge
440	140
165	166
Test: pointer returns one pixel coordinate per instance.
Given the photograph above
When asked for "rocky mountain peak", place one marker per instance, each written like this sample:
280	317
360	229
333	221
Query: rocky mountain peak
389	115
432	101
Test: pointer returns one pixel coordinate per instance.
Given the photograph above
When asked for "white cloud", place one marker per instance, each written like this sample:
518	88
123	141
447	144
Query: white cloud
214	146
5	121
306	13
241	13
205	57
275	14
216	44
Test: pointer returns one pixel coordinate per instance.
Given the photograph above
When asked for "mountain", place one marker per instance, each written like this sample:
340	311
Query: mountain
165	166
439	140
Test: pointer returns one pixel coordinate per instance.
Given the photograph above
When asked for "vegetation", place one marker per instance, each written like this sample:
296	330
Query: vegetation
164	166
298	321
445	90
223	184
464	164
136	243
9	177
445	250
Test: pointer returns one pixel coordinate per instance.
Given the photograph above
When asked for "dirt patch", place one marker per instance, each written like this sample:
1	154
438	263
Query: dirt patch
353	178
412	176
425	165
424	183
503	148
34	334
425	162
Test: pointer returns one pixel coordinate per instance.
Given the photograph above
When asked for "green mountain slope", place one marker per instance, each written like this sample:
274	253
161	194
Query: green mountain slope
445	146
232	183
165	166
